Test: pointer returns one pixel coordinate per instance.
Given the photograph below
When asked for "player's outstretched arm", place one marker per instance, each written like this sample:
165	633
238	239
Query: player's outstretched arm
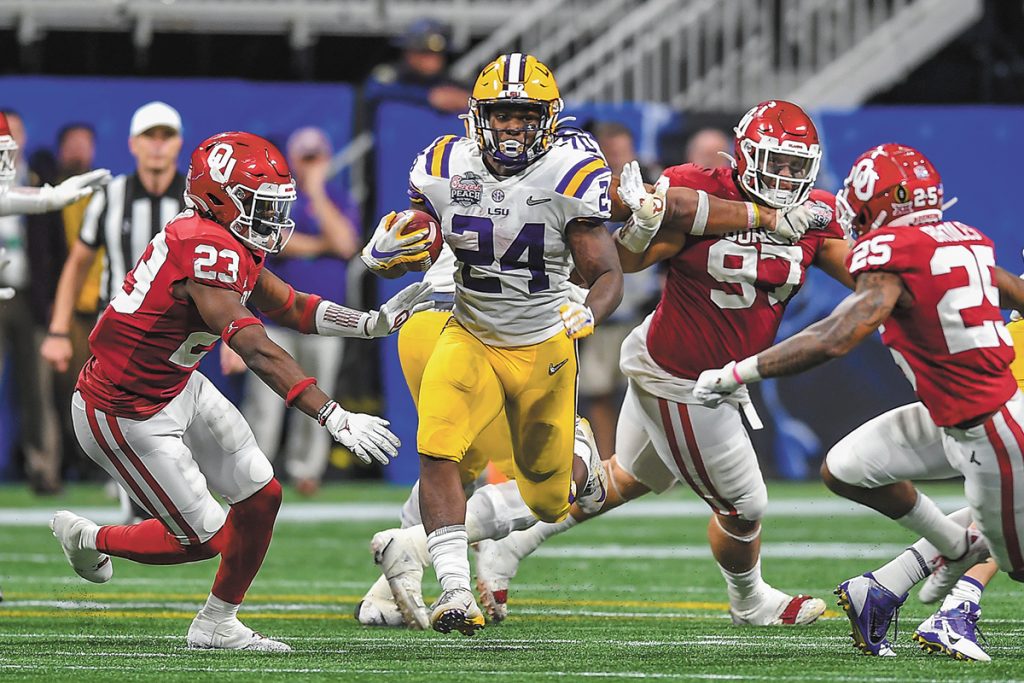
22	200
311	314
1011	290
593	252
366	436
856	317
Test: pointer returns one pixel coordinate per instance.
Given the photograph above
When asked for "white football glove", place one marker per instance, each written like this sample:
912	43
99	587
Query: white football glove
648	208
22	200
398	309
792	223
578	320
386	249
367	436
713	387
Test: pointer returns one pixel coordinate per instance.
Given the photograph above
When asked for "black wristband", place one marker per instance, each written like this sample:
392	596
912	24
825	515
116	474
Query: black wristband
59	335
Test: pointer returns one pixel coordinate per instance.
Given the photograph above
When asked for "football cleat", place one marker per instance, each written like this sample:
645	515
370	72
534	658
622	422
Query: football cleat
378	607
871	608
947	572
91	565
953	632
401	566
595	491
496	566
231	634
779	609
456	610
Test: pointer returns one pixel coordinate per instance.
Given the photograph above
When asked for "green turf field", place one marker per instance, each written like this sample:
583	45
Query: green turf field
620	598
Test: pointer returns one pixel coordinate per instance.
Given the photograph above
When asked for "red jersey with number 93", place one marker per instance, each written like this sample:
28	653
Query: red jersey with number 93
725	296
147	343
951	342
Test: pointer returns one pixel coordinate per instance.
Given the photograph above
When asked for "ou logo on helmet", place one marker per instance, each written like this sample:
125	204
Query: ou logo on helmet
862	179
221	162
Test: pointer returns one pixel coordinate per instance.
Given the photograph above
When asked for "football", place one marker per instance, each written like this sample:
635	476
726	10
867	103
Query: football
422	220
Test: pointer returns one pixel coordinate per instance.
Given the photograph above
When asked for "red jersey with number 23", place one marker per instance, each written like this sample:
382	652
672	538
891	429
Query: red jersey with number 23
725	295
951	341
148	342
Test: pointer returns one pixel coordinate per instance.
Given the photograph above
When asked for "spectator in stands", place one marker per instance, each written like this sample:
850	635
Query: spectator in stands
421	75
20	335
706	146
600	383
314	260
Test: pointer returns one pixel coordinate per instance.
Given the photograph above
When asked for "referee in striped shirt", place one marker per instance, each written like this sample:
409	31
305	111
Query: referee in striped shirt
121	220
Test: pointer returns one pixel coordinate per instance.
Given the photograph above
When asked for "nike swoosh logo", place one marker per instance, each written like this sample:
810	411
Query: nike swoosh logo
953	640
555	367
530	201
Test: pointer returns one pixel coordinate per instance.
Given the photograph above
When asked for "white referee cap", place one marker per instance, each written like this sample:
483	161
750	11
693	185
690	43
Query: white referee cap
155	114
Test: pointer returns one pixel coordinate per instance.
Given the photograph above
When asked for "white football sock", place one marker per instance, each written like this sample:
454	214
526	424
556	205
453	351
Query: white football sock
218	610
905	571
926	520
88	538
528	540
965	590
496	510
449	553
410	515
745	588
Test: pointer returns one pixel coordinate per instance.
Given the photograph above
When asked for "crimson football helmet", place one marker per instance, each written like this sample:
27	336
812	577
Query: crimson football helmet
777	153
889	185
8	153
242	181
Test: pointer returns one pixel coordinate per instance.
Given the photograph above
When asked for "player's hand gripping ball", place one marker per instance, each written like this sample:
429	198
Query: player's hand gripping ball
410	240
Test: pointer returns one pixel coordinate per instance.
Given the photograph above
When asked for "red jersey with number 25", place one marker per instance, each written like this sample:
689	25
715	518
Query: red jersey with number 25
951	342
147	343
725	295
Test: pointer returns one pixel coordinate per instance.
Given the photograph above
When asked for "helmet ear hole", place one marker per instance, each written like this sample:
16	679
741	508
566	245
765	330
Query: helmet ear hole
214	199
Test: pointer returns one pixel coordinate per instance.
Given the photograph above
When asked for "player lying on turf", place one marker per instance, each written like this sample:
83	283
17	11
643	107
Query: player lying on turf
683	210
22	200
935	286
724	298
163	431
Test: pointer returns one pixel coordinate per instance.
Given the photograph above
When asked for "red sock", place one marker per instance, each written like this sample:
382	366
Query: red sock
150	542
246	537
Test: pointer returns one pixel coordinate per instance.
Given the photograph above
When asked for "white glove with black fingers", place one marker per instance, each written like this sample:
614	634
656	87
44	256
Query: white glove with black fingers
398	309
648	208
792	223
367	436
74	188
714	387
387	249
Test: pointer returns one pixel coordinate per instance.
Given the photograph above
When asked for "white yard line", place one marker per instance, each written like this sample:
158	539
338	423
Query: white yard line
388	512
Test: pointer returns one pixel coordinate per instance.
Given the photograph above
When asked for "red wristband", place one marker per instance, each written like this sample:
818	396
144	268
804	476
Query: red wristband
235	326
282	309
298	388
307	323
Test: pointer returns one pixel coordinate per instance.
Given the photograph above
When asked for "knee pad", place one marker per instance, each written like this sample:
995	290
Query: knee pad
752	506
845	466
211	520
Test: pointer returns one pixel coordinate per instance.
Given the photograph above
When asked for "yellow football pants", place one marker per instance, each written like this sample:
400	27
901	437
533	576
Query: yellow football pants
416	342
1017	366
467	385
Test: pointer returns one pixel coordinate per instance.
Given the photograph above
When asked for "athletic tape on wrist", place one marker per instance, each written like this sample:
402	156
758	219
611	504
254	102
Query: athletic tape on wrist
235	326
700	218
297	389
751	216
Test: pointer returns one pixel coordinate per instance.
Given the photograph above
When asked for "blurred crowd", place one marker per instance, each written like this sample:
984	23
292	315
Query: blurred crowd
64	267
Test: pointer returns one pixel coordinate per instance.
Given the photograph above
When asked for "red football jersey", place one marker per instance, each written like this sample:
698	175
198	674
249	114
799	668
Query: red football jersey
147	343
951	342
725	295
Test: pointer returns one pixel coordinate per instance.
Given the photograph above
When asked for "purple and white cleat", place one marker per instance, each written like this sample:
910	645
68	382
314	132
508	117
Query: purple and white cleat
871	608
953	632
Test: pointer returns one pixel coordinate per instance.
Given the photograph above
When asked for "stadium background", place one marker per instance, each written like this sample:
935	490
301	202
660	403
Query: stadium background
961	104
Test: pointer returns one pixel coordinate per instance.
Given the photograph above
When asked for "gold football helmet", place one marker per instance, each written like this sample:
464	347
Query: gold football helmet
518	80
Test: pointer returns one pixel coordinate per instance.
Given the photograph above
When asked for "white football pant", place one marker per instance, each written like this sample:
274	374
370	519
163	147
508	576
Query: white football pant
905	444
166	462
660	442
